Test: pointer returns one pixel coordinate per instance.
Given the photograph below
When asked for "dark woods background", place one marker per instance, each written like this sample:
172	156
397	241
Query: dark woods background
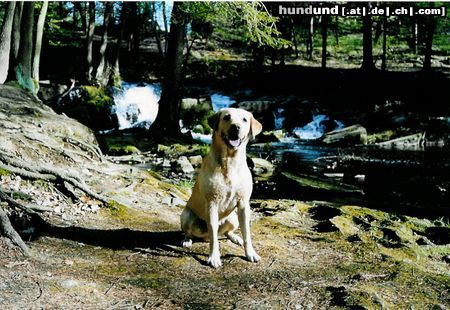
359	60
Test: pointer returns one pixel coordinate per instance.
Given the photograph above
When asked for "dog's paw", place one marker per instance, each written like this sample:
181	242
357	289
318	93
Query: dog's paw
235	239
214	261
253	257
186	243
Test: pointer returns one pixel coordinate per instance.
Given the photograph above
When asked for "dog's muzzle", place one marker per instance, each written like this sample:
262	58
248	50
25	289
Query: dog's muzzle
232	138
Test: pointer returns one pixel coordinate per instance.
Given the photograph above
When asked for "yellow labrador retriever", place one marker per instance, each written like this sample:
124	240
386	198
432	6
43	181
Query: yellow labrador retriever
220	199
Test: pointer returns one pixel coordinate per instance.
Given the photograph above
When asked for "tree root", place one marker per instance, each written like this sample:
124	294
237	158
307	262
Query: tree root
47	174
93	149
9	232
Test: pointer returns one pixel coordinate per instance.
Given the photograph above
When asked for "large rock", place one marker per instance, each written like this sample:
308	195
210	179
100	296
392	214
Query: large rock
351	135
183	165
90	105
407	142
195	111
261	167
270	136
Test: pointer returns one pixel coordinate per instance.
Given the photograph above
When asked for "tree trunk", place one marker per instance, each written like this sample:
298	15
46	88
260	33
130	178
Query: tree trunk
166	27
15	39
415	35
38	45
23	68
336	30
383	57
78	7
167	121
324	40
89	40
157	31
102	75
134	29
310	40
294	42
5	41
429	43
367	63
75	18
116	78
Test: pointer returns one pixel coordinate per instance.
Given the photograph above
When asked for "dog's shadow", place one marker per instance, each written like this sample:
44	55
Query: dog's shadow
157	243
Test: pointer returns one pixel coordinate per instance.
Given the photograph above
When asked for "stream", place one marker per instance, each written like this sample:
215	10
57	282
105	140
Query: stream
411	182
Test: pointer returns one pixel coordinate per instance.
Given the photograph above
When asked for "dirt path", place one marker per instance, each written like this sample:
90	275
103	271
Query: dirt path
301	267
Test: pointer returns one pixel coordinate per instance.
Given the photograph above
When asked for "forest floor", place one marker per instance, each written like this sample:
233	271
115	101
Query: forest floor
125	253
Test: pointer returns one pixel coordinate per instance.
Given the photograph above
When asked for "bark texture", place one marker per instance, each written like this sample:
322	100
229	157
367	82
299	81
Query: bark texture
169	105
5	41
38	45
23	68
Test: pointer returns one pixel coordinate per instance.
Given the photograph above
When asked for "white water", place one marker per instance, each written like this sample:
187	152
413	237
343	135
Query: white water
136	105
220	101
315	129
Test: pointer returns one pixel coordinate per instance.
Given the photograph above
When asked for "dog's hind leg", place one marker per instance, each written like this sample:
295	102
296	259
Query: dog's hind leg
228	228
192	226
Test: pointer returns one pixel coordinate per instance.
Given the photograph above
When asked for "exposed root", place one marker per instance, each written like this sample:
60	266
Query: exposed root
93	149
47	174
9	232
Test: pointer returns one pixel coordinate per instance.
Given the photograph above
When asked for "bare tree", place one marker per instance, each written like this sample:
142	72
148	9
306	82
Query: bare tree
90	40
23	68
5	41
15	39
325	19
116	78
169	104
310	39
367	63
383	56
431	25
102	74
38	45
166	27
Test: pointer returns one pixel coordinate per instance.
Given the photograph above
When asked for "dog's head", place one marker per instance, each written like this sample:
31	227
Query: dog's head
234	126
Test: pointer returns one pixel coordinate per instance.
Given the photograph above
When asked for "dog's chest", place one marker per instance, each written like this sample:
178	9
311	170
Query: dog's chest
229	189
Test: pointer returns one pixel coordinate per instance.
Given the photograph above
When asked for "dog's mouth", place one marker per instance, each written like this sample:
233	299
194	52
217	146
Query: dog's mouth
233	142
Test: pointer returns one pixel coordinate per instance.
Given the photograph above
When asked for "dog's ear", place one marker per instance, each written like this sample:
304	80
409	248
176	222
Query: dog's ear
213	121
255	128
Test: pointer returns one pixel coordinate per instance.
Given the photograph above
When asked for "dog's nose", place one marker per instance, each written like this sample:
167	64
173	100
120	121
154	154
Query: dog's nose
235	128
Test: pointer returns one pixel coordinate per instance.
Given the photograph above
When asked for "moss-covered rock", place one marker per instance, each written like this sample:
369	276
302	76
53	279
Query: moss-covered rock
90	105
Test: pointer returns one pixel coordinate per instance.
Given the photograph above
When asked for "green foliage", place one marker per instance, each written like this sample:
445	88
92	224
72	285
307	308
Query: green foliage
97	96
255	24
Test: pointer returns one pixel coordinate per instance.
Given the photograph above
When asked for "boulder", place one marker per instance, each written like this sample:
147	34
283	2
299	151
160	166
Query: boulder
195	111
406	142
183	165
196	160
355	134
90	105
270	136
261	167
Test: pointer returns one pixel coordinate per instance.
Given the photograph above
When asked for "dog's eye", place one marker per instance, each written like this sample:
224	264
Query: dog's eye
227	117
245	120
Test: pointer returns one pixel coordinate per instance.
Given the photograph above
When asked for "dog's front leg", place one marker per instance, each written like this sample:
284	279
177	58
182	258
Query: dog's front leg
213	230
244	224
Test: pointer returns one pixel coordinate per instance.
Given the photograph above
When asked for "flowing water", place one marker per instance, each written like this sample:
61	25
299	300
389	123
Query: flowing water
136	104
